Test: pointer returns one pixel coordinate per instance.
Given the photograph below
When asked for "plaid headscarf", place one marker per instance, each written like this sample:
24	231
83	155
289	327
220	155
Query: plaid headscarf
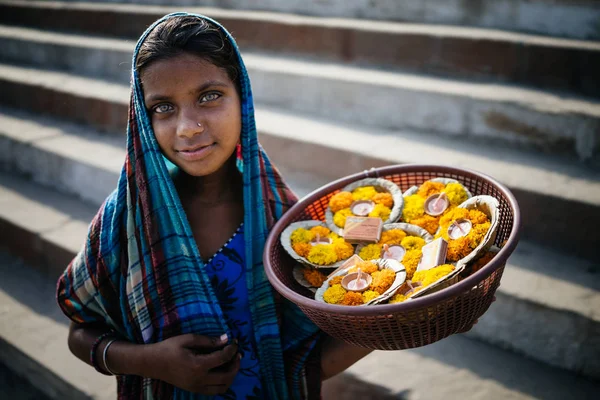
140	271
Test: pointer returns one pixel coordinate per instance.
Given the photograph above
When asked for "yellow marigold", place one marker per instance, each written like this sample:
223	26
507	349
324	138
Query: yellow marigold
336	280
382	280
380	211
458	249
314	277
333	235
370	252
320	230
322	254
427	222
339	218
352	299
385	199
453	215
456	193
411	261
369	295
393	236
302	249
429	276
478	217
398	298
413	207
428	188
477	233
364	193
340	200
334	294
367	267
301	235
413	243
343	249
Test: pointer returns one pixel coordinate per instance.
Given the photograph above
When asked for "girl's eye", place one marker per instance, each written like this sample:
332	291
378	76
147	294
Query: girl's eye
162	108
210	97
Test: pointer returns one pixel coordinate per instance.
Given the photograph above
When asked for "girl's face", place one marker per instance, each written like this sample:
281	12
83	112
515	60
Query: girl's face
195	111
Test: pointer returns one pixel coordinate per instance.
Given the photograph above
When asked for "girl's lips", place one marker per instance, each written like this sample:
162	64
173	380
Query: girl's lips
197	154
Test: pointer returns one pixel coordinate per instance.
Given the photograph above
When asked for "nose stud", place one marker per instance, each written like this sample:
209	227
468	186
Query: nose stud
199	125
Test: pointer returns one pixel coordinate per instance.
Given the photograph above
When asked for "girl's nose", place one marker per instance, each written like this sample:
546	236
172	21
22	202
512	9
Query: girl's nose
189	126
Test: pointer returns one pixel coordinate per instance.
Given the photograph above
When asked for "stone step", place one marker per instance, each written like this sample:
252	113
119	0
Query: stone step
479	112
544	309
564	18
83	162
466	53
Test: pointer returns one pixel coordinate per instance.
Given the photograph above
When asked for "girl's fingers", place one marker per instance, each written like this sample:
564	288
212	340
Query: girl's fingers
219	357
226	374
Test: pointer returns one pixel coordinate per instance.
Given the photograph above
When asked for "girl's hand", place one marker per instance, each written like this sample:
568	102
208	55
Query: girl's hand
195	363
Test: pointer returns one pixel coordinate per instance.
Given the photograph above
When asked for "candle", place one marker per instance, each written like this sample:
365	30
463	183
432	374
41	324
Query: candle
362	208
436	204
319	240
395	252
459	228
357	281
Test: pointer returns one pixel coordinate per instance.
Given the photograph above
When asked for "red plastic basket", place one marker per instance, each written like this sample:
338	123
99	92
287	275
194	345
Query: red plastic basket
417	322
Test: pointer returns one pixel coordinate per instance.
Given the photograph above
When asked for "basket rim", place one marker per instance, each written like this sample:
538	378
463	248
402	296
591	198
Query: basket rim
463	286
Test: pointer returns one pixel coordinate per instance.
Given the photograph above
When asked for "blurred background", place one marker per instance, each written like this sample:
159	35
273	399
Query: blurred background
510	88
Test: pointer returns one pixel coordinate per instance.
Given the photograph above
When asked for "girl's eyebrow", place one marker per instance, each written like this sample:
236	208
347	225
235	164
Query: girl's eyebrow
201	88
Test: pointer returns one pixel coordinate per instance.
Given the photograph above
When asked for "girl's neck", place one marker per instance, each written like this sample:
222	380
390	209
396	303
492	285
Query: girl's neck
223	185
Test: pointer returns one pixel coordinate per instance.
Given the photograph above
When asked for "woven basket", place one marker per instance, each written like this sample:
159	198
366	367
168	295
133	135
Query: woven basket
414	323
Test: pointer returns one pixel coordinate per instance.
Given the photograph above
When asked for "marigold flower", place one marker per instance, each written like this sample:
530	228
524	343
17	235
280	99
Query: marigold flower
398	298
364	193
458	249
411	261
456	193
427	222
322	254
478	217
428	188
340	200
367	267
370	252
301	235
380	211
336	280
369	295
334	294
342	249
320	230
413	207
391	237
382	280
384	199
477	234
453	215
339	218
413	243
352	299
429	276
314	277
302	249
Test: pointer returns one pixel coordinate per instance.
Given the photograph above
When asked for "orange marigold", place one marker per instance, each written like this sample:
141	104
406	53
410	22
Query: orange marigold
352	299
427	222
382	280
428	188
458	248
367	267
385	199
478	217
302	249
340	200
452	215
320	230
477	233
393	236
314	277
336	280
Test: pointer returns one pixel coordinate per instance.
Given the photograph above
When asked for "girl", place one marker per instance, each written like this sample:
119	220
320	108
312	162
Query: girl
169	292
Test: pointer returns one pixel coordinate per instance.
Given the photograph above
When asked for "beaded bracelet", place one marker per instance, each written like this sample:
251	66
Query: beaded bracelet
95	349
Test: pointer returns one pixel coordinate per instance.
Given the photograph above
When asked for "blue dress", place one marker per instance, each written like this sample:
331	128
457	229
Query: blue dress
227	273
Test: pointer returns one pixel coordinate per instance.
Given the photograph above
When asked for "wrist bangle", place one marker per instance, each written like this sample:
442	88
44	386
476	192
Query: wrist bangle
104	356
94	350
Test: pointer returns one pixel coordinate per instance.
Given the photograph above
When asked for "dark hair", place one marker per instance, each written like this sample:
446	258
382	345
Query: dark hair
188	34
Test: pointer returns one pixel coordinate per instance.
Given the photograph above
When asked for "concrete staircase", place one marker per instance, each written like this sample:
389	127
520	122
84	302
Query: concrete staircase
350	93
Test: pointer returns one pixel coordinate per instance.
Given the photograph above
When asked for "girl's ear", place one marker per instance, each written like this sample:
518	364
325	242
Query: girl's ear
239	160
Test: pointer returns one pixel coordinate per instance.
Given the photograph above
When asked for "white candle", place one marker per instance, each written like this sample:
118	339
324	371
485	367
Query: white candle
459	228
362	208
436	204
319	240
359	283
394	252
